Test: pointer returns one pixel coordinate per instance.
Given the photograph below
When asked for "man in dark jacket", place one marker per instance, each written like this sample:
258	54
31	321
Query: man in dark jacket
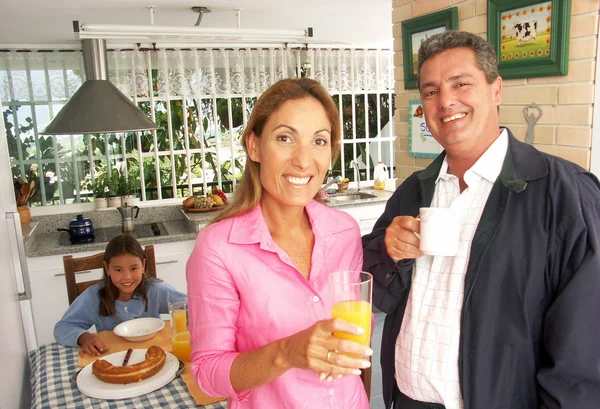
513	320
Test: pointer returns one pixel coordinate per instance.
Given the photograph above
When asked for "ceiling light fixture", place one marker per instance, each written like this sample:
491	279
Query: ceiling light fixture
198	34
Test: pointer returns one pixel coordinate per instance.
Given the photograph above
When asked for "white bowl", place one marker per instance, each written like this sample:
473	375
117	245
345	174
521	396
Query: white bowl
139	329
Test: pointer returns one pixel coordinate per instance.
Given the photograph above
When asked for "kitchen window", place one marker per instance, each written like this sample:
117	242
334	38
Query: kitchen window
201	98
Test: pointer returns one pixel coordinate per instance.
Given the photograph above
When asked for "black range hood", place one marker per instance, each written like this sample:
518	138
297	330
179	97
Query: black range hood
98	106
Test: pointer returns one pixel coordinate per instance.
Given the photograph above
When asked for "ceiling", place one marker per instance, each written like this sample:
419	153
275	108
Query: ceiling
43	22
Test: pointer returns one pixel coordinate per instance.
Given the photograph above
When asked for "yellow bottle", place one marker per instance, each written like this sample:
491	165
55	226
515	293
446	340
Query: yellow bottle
380	175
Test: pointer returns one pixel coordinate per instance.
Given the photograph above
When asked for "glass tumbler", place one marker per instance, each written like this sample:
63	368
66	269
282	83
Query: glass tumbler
180	333
351	295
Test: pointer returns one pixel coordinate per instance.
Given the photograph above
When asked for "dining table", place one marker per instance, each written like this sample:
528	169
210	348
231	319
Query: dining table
53	379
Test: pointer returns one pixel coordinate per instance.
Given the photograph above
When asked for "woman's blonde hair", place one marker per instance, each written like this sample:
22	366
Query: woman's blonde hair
249	191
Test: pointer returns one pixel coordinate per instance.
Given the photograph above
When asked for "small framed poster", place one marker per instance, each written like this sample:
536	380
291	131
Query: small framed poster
418	29
530	37
420	141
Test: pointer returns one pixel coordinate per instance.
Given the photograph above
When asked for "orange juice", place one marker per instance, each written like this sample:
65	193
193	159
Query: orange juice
180	318
358	312
180	346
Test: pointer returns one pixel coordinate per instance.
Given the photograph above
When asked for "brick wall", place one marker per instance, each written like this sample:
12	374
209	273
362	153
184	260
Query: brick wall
565	128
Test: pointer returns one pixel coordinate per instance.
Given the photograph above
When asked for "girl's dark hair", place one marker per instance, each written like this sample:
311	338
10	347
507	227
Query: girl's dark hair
122	244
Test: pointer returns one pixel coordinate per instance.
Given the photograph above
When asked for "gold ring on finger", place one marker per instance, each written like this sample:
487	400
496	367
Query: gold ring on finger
329	355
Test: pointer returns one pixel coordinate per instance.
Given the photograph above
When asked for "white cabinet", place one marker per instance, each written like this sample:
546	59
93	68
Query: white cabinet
365	214
171	259
49	299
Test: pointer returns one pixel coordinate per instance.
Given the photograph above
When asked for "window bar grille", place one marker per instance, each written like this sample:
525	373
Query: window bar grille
341	108
298	67
77	176
138	134
244	107
37	159
13	107
186	143
42	177
378	96
154	131
254	56
199	125
167	100
124	168
390	93
272	66
366	108
229	110
353	96
214	119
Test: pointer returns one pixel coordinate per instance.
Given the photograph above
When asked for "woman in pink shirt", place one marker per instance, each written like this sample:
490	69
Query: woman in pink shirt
258	289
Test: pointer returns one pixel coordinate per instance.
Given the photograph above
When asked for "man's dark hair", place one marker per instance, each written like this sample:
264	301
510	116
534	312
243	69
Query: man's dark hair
484	53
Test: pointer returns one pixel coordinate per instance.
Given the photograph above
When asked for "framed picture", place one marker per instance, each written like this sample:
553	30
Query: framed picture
418	29
531	37
420	141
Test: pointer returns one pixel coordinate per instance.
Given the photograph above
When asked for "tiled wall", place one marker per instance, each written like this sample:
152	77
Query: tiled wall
565	128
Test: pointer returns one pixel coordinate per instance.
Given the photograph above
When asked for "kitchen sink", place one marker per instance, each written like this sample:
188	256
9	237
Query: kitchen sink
350	197
104	234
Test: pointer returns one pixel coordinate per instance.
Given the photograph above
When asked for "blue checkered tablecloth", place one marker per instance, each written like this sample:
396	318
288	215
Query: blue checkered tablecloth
53	365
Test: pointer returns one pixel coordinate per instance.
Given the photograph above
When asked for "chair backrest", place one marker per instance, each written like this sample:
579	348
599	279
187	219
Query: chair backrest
75	265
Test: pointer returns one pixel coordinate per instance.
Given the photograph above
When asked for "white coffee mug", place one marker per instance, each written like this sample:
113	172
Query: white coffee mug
440	231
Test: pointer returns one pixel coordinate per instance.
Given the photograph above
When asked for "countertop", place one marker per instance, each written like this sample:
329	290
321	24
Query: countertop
41	236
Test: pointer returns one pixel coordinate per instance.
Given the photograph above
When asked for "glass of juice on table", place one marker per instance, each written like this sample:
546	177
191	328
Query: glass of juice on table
351	296
180	333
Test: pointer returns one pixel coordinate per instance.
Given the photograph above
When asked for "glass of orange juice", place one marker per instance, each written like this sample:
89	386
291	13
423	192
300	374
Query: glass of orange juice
351	295
180	333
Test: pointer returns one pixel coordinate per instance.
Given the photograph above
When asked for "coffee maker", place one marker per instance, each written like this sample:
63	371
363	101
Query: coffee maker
127	214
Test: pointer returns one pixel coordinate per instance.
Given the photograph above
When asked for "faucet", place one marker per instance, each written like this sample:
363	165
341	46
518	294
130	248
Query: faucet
355	166
331	180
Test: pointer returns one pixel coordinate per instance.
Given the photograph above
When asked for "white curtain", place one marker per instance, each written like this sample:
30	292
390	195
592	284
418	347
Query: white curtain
246	72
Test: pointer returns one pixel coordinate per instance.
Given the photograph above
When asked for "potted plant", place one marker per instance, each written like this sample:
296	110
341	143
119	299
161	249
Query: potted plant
128	187
114	197
100	191
342	187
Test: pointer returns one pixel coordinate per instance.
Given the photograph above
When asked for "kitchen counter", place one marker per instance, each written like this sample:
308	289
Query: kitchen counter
41	237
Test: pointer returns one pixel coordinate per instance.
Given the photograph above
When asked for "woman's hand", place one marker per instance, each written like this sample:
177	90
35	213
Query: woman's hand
91	344
317	349
401	242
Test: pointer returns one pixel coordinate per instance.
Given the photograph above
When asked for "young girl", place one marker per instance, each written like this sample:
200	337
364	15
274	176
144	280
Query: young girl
124	293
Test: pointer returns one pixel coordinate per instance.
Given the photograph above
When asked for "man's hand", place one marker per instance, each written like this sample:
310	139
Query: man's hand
401	242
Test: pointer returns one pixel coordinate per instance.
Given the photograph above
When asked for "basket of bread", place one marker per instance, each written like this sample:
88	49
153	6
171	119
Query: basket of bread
215	200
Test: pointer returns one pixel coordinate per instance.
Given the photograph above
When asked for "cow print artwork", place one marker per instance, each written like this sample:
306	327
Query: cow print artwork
526	32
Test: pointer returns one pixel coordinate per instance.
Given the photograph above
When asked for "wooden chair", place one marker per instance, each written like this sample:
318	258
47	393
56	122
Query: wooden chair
75	265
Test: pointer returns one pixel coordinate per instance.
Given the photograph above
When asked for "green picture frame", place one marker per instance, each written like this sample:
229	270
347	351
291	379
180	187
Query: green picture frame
417	29
530	37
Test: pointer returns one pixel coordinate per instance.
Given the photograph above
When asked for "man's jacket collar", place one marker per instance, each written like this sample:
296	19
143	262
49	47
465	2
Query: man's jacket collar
522	163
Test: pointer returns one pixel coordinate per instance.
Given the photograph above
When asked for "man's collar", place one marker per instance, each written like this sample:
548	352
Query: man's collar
489	164
522	163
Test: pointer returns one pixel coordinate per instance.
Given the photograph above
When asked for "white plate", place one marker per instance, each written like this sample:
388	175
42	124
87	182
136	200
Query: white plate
89	385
